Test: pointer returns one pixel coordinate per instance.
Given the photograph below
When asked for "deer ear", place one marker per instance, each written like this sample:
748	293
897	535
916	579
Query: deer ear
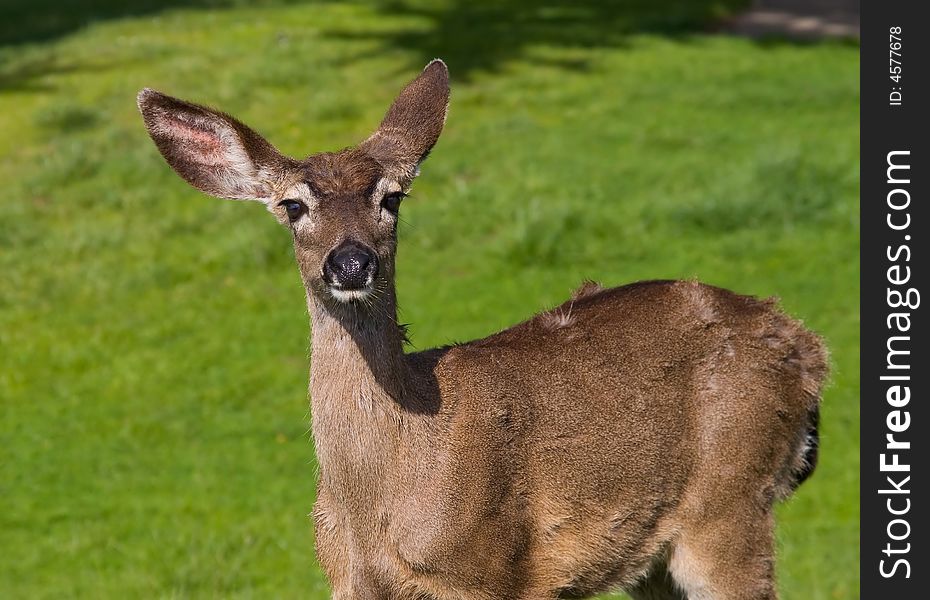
212	151
413	123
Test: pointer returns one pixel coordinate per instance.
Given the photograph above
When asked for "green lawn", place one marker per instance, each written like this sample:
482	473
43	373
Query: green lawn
153	341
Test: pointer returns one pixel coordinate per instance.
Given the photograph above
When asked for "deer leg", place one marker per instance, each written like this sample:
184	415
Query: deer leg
659	585
331	549
730	559
539	595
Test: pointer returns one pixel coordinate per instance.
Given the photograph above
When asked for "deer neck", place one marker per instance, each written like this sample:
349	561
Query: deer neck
358	382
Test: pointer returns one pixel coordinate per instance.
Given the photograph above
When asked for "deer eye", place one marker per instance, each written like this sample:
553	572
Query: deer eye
294	208
391	202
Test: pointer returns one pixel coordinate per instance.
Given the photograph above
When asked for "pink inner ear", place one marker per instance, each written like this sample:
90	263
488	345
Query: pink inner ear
198	139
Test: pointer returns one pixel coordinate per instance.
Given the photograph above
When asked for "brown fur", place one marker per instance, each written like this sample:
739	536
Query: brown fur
633	437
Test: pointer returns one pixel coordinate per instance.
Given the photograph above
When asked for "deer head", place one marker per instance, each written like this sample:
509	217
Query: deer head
341	207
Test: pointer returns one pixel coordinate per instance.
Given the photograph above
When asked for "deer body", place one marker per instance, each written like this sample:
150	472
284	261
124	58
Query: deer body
634	437
576	475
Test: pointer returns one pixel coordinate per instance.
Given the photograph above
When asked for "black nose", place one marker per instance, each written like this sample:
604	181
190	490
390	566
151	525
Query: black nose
350	265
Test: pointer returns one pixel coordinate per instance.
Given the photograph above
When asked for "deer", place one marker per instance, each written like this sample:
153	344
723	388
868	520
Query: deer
633	438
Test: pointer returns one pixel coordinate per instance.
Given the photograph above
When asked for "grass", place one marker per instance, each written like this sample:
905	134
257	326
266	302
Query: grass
153	342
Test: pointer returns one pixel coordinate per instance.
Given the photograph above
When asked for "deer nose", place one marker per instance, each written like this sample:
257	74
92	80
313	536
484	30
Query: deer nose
350	265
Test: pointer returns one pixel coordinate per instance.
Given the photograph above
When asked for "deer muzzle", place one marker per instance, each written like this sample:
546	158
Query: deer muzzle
349	270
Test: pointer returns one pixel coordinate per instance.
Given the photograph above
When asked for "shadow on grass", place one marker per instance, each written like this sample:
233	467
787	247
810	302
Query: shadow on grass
35	21
29	21
481	35
26	75
472	34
